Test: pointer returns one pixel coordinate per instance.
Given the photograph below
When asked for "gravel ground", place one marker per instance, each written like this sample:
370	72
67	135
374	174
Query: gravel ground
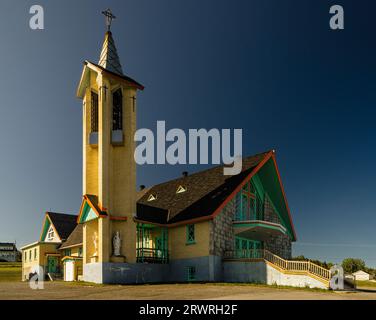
61	290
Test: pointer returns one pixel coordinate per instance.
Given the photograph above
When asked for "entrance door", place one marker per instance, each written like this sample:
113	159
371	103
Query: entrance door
69	271
52	265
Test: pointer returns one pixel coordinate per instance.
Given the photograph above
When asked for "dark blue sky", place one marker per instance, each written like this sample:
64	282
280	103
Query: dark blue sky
273	68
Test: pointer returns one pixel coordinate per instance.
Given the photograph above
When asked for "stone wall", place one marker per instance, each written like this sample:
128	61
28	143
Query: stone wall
279	245
269	213
222	232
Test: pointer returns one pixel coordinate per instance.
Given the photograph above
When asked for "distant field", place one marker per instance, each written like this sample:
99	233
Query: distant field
10	271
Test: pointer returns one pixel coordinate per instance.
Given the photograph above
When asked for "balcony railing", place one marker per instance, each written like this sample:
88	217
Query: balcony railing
245	254
152	255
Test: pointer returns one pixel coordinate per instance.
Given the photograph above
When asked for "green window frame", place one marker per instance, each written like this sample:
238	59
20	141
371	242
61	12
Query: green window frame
190	234
191	273
67	252
35	254
247	248
25	256
80	252
249	203
29	255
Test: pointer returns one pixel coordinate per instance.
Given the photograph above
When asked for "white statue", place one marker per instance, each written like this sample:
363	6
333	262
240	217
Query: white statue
116	242
95	242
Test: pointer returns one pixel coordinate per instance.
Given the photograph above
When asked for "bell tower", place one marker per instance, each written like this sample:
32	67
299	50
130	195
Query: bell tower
109	169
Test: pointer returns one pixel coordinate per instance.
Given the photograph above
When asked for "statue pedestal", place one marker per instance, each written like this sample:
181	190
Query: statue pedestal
117	259
94	259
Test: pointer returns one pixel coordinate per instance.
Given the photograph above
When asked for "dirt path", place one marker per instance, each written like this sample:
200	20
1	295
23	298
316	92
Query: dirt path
58	290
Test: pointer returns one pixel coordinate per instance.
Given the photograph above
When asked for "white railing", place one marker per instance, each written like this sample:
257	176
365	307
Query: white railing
288	265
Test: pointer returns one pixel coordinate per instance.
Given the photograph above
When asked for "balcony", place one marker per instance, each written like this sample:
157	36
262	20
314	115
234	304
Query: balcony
255	217
148	255
151	244
260	230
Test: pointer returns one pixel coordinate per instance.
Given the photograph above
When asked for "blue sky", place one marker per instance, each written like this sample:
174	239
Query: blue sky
272	68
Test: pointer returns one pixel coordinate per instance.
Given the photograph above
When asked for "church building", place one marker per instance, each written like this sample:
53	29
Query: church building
203	226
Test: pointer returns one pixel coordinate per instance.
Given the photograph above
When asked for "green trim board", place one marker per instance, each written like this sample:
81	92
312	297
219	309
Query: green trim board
88	214
46	227
269	177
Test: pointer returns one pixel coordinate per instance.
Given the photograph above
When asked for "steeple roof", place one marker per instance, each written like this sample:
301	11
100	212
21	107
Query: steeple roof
109	58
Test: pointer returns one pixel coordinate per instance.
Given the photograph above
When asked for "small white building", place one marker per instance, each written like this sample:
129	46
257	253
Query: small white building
361	275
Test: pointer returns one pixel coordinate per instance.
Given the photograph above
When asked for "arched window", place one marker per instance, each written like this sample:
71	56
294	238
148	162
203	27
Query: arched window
117	110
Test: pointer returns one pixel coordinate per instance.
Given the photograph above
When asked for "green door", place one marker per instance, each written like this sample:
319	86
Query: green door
52	264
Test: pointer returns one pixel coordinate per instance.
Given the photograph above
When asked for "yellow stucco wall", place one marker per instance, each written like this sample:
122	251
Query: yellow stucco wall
109	171
40	259
178	247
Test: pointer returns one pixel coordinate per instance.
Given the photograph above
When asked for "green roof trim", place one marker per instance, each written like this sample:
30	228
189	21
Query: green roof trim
47	224
88	214
269	176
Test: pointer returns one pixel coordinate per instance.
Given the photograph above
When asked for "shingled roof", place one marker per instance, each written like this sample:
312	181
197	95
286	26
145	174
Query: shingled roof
63	223
75	238
205	192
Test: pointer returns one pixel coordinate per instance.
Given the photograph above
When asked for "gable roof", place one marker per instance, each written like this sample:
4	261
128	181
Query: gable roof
206	190
360	272
63	223
207	193
8	246
90	201
85	78
75	238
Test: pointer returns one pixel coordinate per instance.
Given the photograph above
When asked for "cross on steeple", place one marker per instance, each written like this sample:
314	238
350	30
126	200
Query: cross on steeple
109	17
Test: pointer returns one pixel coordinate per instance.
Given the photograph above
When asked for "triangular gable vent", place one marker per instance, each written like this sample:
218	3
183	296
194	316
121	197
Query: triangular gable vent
152	197
181	189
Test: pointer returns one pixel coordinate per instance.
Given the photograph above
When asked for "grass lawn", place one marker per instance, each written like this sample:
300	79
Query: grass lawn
10	271
368	284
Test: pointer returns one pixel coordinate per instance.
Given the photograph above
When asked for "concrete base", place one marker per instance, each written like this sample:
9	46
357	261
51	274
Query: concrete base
207	269
125	273
117	259
261	272
211	269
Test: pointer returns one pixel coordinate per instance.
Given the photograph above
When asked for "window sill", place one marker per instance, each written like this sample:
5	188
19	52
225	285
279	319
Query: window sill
117	137
190	243
93	138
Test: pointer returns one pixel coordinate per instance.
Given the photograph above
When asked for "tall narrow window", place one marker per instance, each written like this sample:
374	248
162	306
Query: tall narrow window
190	234
94	112
117	110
